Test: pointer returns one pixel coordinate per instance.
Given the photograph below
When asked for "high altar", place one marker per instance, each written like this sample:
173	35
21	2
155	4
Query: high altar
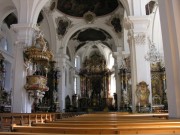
95	79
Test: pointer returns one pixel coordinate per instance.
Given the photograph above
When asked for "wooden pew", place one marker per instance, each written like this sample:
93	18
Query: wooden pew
104	117
23	133
113	125
105	123
121	130
66	130
101	121
150	130
6	119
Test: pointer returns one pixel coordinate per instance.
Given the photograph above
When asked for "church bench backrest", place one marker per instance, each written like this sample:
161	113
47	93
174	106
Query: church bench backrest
66	130
120	130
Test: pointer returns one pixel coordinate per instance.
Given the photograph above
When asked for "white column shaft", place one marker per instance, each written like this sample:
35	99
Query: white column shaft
170	20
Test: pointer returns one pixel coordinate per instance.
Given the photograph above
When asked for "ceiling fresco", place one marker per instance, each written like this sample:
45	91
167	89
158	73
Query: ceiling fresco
78	8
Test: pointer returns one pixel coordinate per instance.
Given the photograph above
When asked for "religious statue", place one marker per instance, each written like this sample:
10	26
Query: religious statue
142	93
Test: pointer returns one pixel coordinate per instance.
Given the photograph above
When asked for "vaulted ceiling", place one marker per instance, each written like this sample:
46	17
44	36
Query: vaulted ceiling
88	39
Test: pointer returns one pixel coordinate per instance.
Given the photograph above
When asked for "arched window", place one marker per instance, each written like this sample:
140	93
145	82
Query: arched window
4	44
77	62
6	49
110	61
75	85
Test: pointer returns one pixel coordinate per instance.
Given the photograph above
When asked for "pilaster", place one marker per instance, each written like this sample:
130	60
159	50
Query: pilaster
118	62
28	12
137	38
61	63
138	7
169	15
24	33
21	101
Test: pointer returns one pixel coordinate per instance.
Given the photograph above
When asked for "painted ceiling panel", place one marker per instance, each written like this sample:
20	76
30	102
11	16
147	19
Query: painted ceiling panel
78	8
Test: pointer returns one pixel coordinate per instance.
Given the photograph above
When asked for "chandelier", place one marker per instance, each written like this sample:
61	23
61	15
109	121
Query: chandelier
153	55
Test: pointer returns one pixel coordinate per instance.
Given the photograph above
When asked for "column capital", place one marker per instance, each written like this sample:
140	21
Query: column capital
61	60
25	33
137	23
137	28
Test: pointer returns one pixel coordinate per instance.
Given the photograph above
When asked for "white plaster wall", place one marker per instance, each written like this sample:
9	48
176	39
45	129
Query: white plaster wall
8	35
156	33
45	28
176	7
170	18
125	36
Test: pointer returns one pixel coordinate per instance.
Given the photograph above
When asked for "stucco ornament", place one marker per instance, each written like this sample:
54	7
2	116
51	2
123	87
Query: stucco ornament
115	21
140	38
63	24
89	17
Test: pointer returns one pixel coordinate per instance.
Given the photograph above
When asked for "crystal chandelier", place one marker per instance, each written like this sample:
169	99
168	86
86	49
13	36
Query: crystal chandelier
153	55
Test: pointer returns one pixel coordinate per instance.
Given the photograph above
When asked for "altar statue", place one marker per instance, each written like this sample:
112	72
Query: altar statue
142	93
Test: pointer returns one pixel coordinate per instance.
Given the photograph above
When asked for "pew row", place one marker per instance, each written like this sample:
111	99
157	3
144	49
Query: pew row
22	133
65	130
7	119
143	129
110	124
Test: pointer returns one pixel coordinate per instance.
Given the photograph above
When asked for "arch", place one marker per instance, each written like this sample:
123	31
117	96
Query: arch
52	31
31	12
82	26
38	8
87	51
126	6
5	12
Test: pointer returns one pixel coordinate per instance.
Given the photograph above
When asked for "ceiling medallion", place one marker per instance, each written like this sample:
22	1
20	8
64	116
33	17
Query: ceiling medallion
89	17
